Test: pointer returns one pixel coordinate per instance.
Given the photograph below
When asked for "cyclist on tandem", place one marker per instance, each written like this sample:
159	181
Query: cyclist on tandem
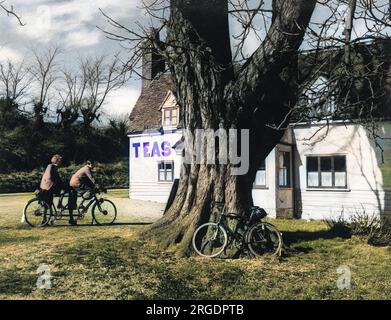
41	211
82	182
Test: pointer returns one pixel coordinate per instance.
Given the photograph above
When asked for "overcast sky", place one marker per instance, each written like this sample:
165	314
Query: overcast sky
70	24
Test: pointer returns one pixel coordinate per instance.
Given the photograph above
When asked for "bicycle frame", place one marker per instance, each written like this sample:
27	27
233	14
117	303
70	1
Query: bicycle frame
223	221
243	236
233	234
55	212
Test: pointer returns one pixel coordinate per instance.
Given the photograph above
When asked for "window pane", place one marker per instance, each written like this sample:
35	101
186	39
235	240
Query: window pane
313	179
284	172
325	164
340	164
260	178
167	117
162	175
283	178
312	164
340	179
168	166
327	179
161	166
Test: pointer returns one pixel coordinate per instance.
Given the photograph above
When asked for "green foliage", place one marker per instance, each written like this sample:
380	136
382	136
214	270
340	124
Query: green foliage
10	116
112	176
25	146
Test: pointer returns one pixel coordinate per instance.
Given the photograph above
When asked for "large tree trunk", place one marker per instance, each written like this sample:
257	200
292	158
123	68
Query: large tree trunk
212	97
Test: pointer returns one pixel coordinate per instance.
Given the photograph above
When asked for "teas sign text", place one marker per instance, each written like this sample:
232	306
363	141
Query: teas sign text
151	149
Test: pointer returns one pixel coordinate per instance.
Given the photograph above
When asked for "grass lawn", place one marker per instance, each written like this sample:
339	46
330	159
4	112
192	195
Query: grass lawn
89	262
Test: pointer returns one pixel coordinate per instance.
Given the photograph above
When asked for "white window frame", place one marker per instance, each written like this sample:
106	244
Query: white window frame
320	187
289	172
165	180
171	112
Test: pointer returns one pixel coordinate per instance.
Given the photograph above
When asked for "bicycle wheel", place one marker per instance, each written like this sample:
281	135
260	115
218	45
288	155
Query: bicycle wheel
264	239
210	240
37	213
104	212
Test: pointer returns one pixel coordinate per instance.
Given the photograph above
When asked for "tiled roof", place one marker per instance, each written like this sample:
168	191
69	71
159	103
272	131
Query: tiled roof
146	114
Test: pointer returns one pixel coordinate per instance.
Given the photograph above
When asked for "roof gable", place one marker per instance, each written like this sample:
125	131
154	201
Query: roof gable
146	114
169	101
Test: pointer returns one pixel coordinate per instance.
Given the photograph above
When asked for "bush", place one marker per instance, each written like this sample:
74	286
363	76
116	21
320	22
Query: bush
340	227
374	228
111	176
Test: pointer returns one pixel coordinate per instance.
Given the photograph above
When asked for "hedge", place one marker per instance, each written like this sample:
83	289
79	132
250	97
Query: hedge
112	176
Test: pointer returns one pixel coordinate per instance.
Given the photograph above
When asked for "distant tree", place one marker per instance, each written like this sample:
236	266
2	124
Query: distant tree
44	71
117	131
84	90
15	81
71	95
14	87
100	77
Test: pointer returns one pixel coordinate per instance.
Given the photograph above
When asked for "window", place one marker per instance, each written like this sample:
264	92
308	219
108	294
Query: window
326	172
284	171
166	171
170	117
260	178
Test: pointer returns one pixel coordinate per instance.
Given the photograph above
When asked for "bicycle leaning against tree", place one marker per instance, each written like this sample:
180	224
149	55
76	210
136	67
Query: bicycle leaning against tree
249	234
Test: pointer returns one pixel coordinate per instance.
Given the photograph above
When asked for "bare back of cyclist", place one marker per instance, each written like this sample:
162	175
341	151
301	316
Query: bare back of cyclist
82	180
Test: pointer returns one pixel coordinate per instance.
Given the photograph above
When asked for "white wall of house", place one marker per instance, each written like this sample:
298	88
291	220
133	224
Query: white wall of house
144	181
365	189
265	197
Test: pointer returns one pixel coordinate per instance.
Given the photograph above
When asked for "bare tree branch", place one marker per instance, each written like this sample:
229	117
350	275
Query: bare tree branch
45	73
11	12
15	81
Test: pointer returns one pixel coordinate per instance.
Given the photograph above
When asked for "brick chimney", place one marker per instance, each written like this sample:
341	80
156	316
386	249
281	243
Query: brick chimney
153	63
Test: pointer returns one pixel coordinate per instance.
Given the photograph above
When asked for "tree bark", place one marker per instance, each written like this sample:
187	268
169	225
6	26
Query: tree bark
199	57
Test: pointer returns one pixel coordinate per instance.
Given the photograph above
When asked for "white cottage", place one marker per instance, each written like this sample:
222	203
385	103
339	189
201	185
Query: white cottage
317	171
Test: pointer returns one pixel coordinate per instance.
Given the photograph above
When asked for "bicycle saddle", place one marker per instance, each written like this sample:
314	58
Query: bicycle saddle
231	215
